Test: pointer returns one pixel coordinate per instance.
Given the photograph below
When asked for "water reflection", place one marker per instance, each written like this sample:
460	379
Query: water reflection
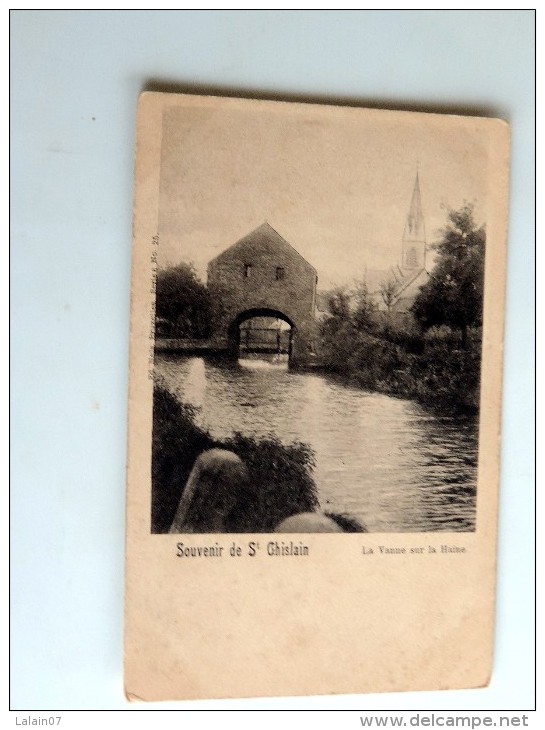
387	461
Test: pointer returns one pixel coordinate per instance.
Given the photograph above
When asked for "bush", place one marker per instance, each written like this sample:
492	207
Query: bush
336	345
449	377
434	369
176	443
374	361
280	482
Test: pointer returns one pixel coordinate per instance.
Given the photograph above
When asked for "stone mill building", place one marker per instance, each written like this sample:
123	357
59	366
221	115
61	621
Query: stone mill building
262	275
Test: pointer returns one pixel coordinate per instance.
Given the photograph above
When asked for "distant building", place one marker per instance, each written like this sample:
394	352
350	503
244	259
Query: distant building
395	289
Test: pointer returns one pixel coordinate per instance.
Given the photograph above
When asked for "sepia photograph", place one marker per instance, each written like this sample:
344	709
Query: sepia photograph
317	321
314	399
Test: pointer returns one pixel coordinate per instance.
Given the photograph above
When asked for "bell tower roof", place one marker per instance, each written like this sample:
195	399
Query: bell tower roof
414	233
414	225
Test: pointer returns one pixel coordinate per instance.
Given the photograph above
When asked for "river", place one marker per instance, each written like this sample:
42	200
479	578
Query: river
391	463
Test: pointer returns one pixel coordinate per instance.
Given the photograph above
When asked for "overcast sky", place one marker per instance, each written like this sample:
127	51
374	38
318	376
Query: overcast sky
336	183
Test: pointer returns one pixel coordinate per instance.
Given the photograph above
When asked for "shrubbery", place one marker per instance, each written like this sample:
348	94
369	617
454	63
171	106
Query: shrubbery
435	370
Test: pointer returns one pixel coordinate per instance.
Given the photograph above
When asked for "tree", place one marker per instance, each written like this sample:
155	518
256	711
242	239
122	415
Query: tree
183	300
454	294
388	291
365	310
339	304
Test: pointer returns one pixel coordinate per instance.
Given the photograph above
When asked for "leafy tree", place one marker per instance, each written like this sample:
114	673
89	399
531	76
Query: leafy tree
183	300
365	311
336	331
339	304
454	294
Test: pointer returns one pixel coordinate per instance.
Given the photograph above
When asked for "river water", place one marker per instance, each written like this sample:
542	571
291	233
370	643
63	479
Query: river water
394	465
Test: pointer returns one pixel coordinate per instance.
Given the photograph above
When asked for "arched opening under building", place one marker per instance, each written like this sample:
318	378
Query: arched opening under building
262	335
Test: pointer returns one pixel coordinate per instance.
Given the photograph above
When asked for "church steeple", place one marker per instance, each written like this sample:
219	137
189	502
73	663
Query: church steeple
414	235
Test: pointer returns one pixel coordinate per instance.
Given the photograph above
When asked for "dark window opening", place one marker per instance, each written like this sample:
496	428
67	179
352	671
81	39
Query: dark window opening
280	273
247	270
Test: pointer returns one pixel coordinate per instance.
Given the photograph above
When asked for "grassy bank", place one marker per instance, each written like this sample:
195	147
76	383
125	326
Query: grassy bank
280	483
436	371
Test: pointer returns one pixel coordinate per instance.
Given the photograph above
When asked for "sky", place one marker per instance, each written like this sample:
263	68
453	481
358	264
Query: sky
335	182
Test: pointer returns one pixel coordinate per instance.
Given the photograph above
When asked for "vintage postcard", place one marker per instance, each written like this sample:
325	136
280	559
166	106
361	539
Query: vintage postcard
314	405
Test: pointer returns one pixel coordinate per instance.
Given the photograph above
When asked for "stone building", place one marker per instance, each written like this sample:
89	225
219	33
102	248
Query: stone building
262	275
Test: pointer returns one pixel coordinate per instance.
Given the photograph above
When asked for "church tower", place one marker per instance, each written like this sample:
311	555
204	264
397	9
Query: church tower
413	256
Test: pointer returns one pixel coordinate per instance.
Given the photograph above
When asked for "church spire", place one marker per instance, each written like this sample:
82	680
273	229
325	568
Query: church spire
414	235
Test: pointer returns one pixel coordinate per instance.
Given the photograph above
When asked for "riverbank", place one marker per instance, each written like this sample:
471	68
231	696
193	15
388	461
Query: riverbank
280	483
436	372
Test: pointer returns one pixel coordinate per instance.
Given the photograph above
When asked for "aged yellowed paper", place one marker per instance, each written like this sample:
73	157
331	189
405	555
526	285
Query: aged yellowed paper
314	405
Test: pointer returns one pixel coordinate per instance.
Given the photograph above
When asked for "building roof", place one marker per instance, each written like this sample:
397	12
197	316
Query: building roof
375	278
264	233
407	282
414	224
406	295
